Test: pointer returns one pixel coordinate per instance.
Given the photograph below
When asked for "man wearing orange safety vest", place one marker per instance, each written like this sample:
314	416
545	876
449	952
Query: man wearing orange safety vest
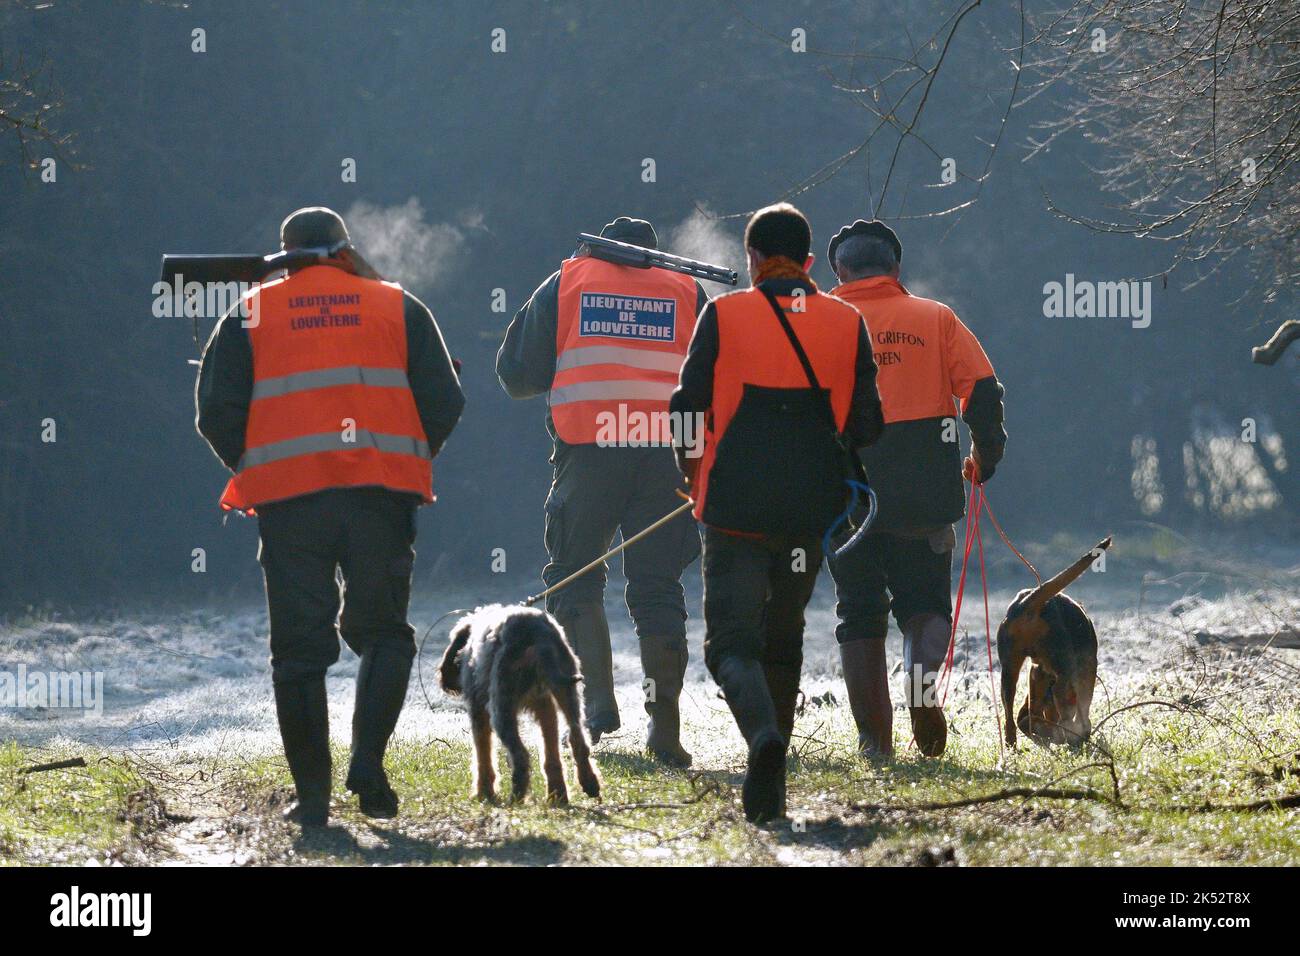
931	367
328	392
784	376
605	343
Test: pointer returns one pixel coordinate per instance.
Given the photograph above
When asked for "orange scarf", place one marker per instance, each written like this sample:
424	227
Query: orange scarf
781	267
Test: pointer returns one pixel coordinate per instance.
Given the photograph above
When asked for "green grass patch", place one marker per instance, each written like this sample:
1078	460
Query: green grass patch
71	815
1168	762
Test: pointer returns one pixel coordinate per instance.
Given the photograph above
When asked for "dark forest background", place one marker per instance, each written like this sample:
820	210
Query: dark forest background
475	171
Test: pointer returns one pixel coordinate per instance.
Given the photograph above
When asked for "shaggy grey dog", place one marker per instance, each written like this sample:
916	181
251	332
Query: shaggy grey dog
506	659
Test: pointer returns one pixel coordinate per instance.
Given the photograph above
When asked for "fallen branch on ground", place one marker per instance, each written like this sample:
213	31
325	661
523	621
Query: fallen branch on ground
1011	793
1289	802
1288	639
56	765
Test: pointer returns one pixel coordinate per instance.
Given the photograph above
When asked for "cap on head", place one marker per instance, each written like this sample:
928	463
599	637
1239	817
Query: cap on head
638	232
862	227
312	226
779	230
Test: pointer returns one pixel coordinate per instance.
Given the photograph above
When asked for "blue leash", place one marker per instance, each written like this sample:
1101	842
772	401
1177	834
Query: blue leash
856	488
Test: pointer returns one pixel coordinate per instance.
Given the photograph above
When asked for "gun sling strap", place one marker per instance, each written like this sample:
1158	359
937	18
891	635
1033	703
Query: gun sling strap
856	473
854	462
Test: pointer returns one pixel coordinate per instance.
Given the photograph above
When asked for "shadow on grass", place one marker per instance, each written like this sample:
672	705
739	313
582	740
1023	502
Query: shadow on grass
833	833
394	847
632	762
843	834
811	756
651	774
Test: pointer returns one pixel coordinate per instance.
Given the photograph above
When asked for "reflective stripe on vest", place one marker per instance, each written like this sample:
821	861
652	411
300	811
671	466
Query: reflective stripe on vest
613	355
331	404
327	377
753	350
621	339
611	390
333	441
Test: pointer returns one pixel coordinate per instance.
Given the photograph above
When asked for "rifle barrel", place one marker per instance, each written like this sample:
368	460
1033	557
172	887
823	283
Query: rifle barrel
625	253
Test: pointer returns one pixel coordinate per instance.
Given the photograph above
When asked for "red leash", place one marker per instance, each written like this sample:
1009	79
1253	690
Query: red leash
1023	560
972	521
976	504
988	631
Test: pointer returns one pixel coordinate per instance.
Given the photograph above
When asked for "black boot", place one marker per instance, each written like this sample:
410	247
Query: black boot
587	631
783	685
381	691
303	711
663	660
866	680
925	649
745	687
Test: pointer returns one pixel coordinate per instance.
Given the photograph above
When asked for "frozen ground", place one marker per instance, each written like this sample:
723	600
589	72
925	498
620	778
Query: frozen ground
198	681
1200	660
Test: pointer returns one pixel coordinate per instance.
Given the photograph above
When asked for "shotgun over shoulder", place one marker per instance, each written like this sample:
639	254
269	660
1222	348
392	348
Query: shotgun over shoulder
627	254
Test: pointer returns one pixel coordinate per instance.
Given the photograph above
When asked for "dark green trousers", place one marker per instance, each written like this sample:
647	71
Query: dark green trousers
755	592
599	492
363	534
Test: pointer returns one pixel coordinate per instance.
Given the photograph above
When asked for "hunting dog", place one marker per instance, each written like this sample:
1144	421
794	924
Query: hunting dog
506	659
1053	631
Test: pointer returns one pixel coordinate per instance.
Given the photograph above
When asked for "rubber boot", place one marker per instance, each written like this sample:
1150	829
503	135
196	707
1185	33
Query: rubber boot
663	659
925	647
303	712
866	681
381	691
588	633
745	687
783	685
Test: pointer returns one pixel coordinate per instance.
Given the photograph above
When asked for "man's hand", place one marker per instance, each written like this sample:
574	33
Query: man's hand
971	469
353	263
689	467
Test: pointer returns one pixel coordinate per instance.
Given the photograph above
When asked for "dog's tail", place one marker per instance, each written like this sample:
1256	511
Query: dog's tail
558	664
1033	604
449	669
555	662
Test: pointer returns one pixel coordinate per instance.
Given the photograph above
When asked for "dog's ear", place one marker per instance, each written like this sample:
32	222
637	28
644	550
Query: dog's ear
1011	656
449	669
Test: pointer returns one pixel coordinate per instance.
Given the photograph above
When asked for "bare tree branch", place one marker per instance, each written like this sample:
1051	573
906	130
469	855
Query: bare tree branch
29	99
896	98
1196	106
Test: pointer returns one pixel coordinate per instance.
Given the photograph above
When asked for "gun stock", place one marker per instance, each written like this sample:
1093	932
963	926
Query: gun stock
216	268
246	268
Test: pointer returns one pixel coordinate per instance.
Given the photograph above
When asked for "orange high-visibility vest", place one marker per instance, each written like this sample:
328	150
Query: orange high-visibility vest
621	339
924	354
753	349
331	404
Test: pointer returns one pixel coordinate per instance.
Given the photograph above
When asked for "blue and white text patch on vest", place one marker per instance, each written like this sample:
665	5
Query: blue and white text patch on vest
628	317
